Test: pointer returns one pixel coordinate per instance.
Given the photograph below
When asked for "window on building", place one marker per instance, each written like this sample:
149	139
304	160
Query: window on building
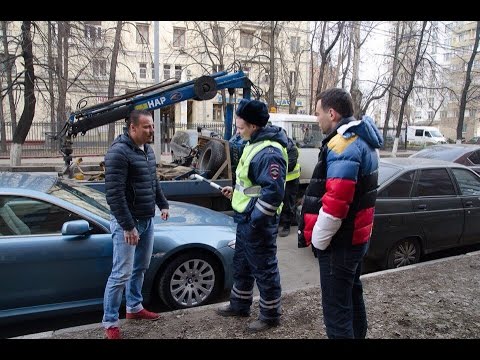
293	78
246	39
443	114
143	70
473	113
178	72
178	37
418	102
218	34
166	71
431	114
217	112
265	36
93	30
143	31
431	101
153	70
99	67
294	44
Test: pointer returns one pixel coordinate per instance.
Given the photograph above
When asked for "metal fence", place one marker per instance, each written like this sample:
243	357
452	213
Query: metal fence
40	142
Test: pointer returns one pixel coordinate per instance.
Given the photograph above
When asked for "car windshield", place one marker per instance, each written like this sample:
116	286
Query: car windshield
436	133
385	172
83	196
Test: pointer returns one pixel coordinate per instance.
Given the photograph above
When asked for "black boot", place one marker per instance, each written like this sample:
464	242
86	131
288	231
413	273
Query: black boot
284	231
261	325
227	310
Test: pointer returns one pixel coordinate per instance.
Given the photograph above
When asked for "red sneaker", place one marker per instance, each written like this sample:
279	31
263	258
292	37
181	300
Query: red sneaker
143	315
113	333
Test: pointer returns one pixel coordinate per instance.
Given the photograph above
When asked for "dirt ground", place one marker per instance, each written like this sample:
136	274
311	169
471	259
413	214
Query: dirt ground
433	300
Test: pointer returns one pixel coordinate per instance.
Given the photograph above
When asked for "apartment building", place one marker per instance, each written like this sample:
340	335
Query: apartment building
186	50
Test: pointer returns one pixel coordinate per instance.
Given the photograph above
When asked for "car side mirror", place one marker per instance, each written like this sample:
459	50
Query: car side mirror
75	227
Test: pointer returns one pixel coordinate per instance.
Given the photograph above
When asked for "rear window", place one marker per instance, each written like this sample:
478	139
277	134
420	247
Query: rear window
385	172
439	152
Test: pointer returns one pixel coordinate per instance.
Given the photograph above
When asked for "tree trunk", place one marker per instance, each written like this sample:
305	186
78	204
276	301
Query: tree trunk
51	68
271	90
113	74
409	90
354	89
3	134
466	86
9	65
62	66
28	113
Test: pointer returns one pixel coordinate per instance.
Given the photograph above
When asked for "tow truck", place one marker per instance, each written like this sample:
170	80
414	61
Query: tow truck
182	186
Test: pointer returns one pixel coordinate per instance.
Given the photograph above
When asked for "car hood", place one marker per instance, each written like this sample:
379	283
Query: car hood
189	214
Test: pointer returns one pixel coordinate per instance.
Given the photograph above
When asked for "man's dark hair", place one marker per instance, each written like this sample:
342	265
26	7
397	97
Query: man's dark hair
135	115
337	99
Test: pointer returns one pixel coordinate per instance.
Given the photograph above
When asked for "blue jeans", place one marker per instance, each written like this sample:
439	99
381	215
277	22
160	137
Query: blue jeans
344	312
130	262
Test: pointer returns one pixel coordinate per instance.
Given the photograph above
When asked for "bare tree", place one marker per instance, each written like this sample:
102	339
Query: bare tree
9	61
325	49
28	113
113	74
466	85
399	34
3	134
410	76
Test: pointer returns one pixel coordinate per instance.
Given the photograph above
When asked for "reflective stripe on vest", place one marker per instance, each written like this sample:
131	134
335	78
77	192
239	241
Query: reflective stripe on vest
294	174
244	188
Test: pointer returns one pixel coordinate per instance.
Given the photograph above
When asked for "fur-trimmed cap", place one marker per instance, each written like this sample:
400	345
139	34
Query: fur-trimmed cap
253	111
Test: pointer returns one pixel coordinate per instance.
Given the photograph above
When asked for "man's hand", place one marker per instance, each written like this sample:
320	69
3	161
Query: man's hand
227	191
131	236
165	214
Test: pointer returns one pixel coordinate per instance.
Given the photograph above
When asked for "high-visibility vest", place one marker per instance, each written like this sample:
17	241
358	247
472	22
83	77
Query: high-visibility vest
244	188
295	173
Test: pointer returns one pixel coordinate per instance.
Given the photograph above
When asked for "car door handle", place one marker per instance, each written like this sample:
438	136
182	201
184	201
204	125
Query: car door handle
468	203
422	207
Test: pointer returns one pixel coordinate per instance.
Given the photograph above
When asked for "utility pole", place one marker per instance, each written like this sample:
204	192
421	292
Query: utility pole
157	146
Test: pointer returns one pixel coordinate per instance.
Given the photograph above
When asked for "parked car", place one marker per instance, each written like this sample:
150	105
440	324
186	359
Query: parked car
56	250
423	206
466	154
474	140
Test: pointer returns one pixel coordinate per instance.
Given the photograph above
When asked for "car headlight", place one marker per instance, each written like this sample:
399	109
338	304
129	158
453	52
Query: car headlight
231	244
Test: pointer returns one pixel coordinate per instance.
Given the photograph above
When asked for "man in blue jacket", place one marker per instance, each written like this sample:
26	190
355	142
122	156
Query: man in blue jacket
256	201
338	210
132	190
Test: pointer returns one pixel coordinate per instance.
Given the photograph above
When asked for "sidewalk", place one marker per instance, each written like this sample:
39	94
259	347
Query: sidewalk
439	299
95	160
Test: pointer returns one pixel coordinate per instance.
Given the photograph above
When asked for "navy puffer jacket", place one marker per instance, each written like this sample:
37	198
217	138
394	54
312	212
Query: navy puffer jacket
131	184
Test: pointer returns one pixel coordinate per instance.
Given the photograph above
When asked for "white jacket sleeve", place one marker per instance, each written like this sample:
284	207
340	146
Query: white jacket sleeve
324	229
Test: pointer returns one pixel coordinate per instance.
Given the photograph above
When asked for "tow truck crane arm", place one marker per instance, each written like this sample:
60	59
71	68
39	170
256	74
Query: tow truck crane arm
150	98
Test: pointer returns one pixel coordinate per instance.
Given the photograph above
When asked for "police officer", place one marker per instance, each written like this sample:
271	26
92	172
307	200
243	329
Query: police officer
291	189
257	203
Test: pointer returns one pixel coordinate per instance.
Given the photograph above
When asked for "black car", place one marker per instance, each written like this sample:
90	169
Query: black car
466	154
423	206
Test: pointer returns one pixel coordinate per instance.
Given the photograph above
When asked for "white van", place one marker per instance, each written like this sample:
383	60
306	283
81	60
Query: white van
424	135
307	135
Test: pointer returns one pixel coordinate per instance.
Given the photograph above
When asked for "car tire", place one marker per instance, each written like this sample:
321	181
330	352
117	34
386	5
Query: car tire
189	280
404	252
212	157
